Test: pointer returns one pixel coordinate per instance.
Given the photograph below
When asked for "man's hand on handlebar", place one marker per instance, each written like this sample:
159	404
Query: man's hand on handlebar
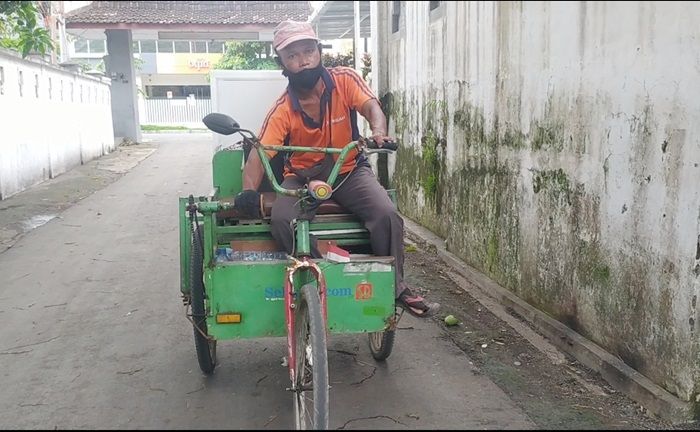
381	141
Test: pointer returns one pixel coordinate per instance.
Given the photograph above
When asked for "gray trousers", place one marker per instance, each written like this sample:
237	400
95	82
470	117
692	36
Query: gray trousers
360	194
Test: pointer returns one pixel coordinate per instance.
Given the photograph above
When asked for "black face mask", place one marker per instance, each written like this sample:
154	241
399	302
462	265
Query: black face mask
305	79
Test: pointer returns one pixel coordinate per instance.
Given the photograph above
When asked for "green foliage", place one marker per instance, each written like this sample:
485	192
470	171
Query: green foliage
330	61
21	31
247	56
431	159
366	65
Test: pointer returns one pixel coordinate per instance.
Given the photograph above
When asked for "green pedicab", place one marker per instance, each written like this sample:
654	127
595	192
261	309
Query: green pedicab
236	284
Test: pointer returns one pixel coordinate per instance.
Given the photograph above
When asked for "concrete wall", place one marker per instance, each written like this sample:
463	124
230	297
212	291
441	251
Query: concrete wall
556	147
59	120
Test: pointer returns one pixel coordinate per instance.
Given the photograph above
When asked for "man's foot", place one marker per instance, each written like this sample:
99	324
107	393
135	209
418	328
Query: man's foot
416	305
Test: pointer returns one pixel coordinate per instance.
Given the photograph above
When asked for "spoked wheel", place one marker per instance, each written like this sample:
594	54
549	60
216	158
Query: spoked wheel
381	343
311	395
206	348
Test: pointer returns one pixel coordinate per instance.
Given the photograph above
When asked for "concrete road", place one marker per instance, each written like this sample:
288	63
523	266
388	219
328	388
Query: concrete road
94	334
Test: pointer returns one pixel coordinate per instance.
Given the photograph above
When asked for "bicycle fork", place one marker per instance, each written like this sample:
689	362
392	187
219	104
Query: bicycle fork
291	303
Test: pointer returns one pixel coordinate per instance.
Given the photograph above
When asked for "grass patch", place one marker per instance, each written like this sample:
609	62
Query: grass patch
151	128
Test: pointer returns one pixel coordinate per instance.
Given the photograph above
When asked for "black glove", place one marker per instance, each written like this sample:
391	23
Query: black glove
247	203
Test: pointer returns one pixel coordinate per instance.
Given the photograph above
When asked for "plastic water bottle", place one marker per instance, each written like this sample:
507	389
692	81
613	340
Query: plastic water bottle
224	254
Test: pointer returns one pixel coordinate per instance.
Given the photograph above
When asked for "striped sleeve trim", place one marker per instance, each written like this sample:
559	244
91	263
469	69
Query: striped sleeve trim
356	78
282	99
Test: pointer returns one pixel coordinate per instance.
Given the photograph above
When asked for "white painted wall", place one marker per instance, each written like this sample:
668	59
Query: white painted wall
247	96
620	84
50	121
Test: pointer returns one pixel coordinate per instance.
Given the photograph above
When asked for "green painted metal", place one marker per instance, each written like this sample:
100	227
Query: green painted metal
255	290
209	237
227	166
271	176
301	192
303	246
185	234
244	229
265	227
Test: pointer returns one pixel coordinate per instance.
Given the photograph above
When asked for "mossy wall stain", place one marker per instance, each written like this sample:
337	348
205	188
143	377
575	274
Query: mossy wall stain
475	201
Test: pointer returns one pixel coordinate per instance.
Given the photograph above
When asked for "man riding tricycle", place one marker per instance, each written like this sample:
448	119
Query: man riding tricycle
320	251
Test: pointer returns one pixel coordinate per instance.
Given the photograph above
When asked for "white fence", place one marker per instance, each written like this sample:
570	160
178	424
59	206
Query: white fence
174	112
50	121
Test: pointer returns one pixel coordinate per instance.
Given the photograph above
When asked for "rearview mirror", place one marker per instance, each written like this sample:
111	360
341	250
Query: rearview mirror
221	124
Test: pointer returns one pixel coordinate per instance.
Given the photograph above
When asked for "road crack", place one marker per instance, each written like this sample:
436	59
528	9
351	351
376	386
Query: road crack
370	418
28	345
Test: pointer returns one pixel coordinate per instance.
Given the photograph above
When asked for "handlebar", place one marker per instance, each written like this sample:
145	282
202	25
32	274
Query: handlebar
367	146
386	145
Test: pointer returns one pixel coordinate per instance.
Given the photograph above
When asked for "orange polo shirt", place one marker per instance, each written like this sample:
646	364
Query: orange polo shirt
287	124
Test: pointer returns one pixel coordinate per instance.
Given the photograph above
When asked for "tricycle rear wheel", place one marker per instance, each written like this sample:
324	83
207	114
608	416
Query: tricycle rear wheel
206	347
311	381
381	343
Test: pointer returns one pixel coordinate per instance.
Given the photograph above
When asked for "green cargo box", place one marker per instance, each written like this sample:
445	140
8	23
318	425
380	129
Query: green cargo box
360	296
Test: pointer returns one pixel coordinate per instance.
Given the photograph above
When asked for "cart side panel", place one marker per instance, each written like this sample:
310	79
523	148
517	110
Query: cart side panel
253	289
360	297
227	172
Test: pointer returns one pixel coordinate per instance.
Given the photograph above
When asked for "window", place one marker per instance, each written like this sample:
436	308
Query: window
97	46
216	47
50	88
434	5
148	46
2	80
199	47
395	16
72	92
165	46
135	47
36	85
80	46
182	46
20	81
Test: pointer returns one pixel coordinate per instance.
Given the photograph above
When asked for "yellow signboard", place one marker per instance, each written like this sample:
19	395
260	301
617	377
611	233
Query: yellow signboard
187	63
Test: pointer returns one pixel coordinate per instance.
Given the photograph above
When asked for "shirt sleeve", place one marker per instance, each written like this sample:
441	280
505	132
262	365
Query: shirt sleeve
356	90
276	126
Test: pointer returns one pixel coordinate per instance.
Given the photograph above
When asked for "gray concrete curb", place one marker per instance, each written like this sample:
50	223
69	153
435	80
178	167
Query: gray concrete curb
622	377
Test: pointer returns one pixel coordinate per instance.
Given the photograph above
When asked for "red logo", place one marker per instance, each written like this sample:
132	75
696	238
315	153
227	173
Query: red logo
363	291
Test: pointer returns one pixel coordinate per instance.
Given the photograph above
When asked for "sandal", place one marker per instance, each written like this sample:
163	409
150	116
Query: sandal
416	305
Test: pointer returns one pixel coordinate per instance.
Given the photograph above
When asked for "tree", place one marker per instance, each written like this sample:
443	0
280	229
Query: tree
247	56
20	29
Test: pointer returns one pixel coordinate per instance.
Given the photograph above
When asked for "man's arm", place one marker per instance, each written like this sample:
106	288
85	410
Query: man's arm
253	171
372	111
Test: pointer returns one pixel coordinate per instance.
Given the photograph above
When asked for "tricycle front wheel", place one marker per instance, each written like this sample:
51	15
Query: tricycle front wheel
311	383
205	346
